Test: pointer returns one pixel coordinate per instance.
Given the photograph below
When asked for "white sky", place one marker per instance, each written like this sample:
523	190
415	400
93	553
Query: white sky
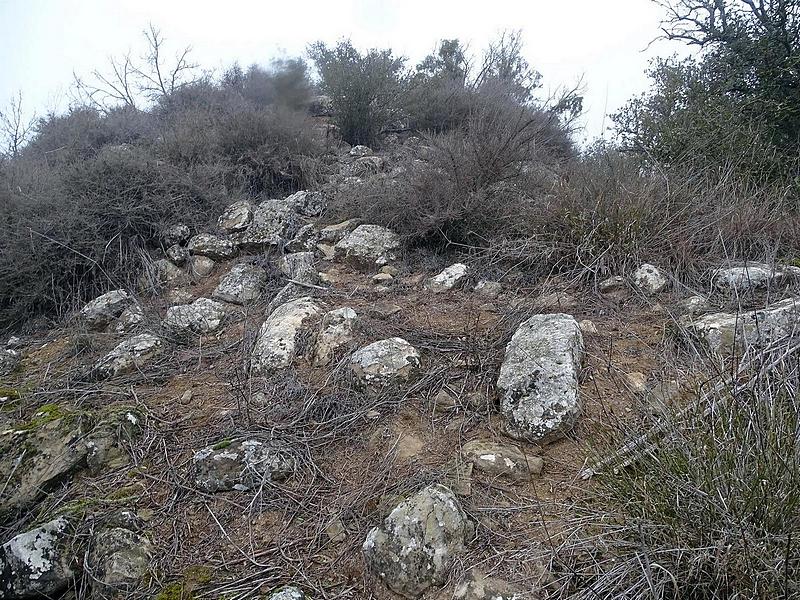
604	41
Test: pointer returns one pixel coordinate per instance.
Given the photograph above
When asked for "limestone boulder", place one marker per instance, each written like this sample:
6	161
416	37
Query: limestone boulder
649	279
419	542
243	284
368	246
213	247
37	563
275	347
336	330
237	217
131	355
538	380
201	316
451	277
241	465
101	311
385	362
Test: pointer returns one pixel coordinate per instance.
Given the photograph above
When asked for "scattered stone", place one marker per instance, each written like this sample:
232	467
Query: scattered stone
241	465
476	586
274	222
9	359
368	246
201	316
360	150
744	278
384	310
649	279
449	278
389	270
384	362
130	355
177	254
444	399
176	234
336	532
490	289
382	278
725	333
335	331
308	204
538	379
237	217
244	283
290	592
419	542
637	382
300	267
119	560
101	311
213	247
275	346
381	289
502	459
201	266
588	327
37	563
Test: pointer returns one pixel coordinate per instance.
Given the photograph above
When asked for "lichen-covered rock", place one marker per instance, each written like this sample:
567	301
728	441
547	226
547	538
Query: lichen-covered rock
299	267
166	273
274	222
419	542
201	316
385	362
476	586
449	278
237	217
130	355
725	333
213	247
119	559
241	465
309	204
649	279
743	278
244	283
290	592
101	311
37	563
177	254
201	266
335	331
9	359
368	246
176	234
360	150
130	319
305	240
538	379
501	459
275	346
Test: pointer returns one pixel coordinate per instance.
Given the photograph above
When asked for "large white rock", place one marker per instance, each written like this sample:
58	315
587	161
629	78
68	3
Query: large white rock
335	331
237	217
743	278
649	279
201	316
130	355
725	333
36	564
538	380
419	542
384	362
215	248
274	222
102	310
241	465
449	278
242	284
368	246
275	346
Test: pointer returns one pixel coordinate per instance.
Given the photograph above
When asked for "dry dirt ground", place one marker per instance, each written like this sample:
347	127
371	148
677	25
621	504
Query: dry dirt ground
357	454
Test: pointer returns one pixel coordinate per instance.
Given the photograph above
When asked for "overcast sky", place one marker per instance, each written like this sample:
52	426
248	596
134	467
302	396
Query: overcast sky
604	42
